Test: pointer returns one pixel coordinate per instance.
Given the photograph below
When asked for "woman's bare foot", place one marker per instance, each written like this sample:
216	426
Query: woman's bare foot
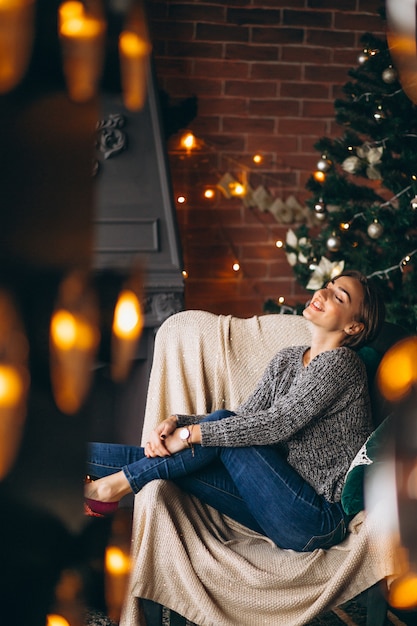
108	489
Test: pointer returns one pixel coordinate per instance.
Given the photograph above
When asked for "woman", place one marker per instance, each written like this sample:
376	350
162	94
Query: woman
277	463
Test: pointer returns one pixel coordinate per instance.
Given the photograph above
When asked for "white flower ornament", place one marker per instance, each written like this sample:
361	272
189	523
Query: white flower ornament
324	271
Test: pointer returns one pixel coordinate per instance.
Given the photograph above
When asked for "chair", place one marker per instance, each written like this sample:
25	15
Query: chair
203	565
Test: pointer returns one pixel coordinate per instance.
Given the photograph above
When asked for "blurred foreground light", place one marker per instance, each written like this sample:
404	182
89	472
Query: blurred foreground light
56	620
117	561
398	370
73	337
82	42
16	39
11	386
14	382
403	592
128	322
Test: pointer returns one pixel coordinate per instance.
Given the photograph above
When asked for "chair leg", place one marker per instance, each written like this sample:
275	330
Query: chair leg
377	606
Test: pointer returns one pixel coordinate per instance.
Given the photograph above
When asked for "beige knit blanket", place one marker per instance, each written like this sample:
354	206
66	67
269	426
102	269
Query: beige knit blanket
199	563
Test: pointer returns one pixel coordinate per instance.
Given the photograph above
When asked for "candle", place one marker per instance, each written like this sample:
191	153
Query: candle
16	38
134	51
82	40
127	328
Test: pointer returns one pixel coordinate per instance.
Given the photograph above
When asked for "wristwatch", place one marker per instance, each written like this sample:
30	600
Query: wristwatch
185	434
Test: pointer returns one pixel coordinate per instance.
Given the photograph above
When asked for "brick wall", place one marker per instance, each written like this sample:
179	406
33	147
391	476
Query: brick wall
266	73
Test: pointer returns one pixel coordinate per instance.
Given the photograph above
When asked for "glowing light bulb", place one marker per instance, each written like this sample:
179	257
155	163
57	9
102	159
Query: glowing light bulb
258	158
127	321
236	267
319	176
279	243
117	562
209	193
345	225
184	273
11	386
188	141
237	189
281	300
181	199
69	331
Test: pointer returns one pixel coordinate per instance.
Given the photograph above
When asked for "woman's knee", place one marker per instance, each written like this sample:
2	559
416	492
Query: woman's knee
217	415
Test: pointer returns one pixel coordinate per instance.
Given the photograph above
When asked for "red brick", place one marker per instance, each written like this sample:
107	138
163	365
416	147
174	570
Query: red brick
317	108
348	5
178	85
216	106
276	71
255	269
225	69
248	125
305	54
250	52
250	89
220	32
331	38
346	56
245	17
359	22
301	126
278	143
333	74
277	107
278	35
193	12
305	90
309	19
194	50
169	30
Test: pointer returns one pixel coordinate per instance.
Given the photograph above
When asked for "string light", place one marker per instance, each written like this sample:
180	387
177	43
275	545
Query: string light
181	199
209	194
279	243
184	274
401	265
257	158
319	176
188	141
236	266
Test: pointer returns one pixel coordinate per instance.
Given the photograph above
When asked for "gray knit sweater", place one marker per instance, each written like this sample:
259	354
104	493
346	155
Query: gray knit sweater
319	415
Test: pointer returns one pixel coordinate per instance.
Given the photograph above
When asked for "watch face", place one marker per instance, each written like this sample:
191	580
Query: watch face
184	434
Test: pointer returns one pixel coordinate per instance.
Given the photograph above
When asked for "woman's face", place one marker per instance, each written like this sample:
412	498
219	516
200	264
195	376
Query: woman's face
337	305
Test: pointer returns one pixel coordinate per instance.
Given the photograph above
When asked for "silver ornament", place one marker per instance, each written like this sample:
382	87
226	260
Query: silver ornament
379	114
389	75
323	164
319	206
375	230
363	57
334	243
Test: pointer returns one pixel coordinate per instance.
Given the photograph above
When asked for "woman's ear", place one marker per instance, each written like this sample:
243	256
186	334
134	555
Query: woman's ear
354	328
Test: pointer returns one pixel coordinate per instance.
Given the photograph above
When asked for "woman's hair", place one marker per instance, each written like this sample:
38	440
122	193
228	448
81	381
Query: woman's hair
371	312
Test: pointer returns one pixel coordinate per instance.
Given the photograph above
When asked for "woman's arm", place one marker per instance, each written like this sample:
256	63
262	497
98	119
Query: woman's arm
325	385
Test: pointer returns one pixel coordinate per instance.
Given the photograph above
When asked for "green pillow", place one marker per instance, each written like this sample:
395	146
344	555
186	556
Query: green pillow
353	499
371	359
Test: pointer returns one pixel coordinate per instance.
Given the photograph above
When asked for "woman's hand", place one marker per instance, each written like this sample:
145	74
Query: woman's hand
156	446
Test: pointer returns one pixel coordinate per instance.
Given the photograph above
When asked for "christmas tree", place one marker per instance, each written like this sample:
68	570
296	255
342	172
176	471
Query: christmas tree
364	192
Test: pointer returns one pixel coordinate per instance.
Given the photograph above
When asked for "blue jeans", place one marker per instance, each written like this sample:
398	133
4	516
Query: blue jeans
253	485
